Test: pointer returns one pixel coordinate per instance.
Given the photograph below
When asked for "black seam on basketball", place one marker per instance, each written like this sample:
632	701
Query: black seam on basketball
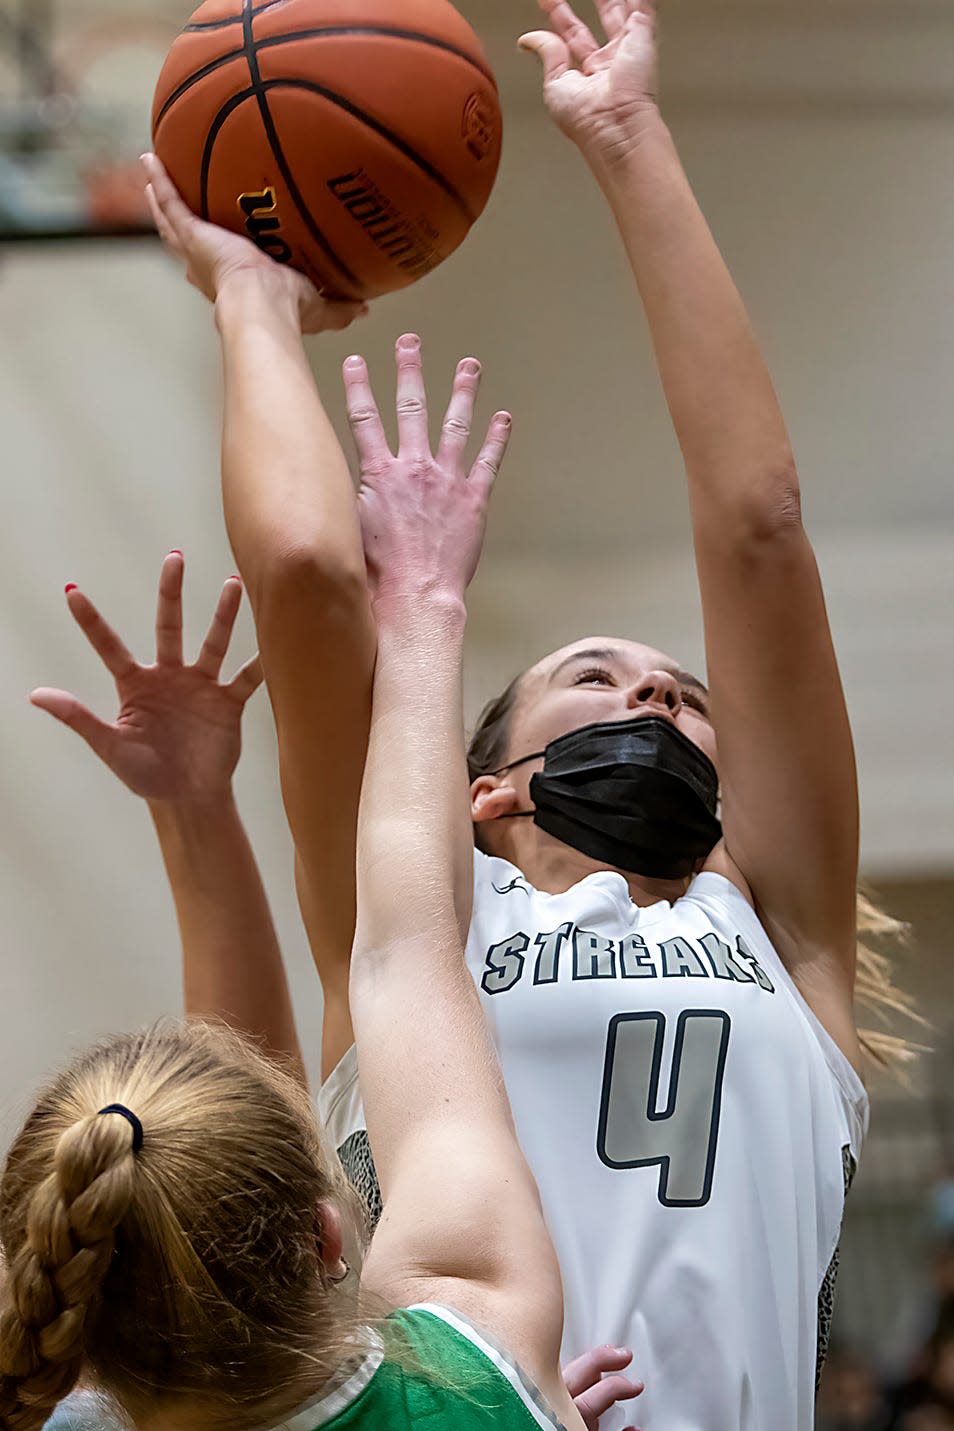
394	139
271	134
272	41
387	32
205	25
194	79
214	129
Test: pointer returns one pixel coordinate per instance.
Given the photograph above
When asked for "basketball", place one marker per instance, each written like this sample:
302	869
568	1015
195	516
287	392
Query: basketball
357	140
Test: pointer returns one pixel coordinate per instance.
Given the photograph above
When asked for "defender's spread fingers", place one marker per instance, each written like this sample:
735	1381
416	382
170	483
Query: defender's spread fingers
367	428
169	611
455	432
105	642
413	436
247	679
98	734
485	470
216	643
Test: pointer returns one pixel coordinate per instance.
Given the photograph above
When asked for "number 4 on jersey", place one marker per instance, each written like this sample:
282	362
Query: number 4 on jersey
681	1138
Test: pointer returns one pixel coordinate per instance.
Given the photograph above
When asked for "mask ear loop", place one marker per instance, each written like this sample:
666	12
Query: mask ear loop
502	770
518	814
537	755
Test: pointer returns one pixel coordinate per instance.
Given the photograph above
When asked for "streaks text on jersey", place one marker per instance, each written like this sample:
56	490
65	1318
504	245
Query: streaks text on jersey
571	953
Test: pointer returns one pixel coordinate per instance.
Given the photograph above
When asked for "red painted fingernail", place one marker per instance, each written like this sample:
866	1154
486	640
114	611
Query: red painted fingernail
175	552
71	586
235	577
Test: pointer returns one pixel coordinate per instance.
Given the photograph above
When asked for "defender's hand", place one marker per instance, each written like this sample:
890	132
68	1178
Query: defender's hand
596	1383
177	737
423	516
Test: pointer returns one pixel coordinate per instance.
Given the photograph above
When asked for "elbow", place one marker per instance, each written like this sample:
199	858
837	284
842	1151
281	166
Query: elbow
307	575
781	509
770	510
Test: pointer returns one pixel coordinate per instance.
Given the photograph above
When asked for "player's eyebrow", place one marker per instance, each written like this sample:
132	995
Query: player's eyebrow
594	653
685	679
605	653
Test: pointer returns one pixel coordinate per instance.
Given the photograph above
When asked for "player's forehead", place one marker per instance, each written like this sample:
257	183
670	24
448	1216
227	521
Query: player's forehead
629	658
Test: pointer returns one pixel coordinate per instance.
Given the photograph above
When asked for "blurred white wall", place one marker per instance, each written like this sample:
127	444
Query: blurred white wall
819	138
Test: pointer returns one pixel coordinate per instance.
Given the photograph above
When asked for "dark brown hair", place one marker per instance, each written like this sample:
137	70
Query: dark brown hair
490	741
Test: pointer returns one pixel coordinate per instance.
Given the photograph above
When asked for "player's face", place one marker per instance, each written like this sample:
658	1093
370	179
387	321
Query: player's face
604	679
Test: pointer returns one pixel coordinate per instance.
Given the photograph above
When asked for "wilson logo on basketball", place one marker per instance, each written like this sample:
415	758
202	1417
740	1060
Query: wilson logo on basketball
479	124
263	225
384	225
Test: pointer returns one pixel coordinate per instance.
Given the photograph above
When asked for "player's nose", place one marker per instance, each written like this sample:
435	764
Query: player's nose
655	688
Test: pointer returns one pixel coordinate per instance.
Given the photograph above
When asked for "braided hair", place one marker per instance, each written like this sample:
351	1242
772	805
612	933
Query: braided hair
185	1277
57	1274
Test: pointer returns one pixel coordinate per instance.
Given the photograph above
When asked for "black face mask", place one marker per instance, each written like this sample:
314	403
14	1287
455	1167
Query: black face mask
636	794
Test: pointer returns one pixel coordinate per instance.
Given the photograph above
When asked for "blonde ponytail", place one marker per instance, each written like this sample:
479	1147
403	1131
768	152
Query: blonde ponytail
186	1280
58	1273
880	937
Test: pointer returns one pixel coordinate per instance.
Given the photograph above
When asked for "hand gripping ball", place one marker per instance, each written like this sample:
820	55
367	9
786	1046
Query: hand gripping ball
356	140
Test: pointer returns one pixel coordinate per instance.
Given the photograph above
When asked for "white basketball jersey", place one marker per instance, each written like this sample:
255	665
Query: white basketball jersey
692	1129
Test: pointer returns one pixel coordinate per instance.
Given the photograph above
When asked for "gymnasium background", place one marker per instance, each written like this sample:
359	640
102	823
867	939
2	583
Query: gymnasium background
819	137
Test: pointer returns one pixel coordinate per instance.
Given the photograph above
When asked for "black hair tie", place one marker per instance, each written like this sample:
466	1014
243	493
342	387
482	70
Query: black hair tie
130	1118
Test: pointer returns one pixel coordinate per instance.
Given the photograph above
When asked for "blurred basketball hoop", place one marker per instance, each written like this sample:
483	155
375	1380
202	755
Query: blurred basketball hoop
76	83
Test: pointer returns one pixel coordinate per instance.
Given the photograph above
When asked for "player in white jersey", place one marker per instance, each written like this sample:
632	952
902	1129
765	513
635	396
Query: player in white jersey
672	1000
691	1125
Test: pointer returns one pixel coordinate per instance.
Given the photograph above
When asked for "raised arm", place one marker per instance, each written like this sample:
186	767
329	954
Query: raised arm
789	795
437	1112
176	743
292	522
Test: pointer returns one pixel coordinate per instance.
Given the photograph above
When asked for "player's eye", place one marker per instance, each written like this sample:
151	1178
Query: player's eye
594	675
695	699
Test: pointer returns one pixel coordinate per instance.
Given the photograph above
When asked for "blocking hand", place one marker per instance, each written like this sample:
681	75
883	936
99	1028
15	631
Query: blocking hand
177	737
423	515
600	94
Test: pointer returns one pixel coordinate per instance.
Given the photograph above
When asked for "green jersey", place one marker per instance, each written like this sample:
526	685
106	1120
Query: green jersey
465	1383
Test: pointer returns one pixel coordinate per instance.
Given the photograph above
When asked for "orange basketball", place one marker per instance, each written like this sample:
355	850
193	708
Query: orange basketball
357	140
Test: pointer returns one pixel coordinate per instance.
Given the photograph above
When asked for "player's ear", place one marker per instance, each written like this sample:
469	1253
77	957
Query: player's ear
490	799
330	1238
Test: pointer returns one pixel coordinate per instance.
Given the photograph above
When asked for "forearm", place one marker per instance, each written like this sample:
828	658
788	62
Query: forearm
231	961
292	518
286	484
414	838
723	404
429	1075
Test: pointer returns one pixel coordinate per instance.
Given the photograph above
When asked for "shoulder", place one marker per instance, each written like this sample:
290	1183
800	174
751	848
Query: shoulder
497	875
720	862
816	977
485	1377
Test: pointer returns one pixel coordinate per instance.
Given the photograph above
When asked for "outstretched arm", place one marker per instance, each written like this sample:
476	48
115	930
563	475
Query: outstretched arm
175	743
789	794
437	1111
293	525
